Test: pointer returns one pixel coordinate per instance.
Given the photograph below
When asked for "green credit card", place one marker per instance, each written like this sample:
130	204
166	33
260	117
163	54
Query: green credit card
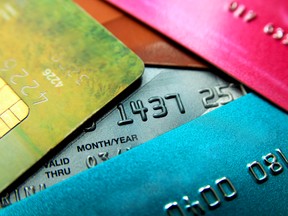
58	67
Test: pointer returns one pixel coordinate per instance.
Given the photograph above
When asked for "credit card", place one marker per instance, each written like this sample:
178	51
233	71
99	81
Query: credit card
246	39
166	99
232	161
58	67
150	46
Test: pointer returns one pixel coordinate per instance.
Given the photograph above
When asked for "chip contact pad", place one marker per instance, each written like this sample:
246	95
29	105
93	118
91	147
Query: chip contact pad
13	110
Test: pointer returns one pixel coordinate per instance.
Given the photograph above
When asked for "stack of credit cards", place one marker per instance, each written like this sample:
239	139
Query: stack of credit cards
204	167
166	99
71	46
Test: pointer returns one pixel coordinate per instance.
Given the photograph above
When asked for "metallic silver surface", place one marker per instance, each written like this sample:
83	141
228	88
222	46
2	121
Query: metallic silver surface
166	99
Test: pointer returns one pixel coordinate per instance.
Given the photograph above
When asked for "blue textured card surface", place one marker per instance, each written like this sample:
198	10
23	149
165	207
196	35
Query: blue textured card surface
232	161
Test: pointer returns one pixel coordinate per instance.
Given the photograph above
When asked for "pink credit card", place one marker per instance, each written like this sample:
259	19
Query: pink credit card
246	39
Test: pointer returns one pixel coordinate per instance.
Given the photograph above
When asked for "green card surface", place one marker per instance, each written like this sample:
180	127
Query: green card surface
58	67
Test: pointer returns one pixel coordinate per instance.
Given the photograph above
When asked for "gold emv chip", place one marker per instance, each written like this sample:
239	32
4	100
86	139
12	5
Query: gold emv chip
13	110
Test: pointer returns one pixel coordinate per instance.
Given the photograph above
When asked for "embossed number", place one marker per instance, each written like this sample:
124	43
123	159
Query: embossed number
211	95
124	120
274	166
91	161
258	172
222	94
178	101
160	106
104	156
138	108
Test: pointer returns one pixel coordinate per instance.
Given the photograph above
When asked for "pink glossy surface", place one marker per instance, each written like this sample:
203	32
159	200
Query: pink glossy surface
239	48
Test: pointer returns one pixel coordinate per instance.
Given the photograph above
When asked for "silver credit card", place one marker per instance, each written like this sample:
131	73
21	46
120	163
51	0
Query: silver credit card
166	99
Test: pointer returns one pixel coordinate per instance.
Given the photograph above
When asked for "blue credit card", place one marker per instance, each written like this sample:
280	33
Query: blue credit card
232	161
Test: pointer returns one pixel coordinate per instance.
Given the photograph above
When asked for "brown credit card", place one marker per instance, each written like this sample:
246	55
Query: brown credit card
152	47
